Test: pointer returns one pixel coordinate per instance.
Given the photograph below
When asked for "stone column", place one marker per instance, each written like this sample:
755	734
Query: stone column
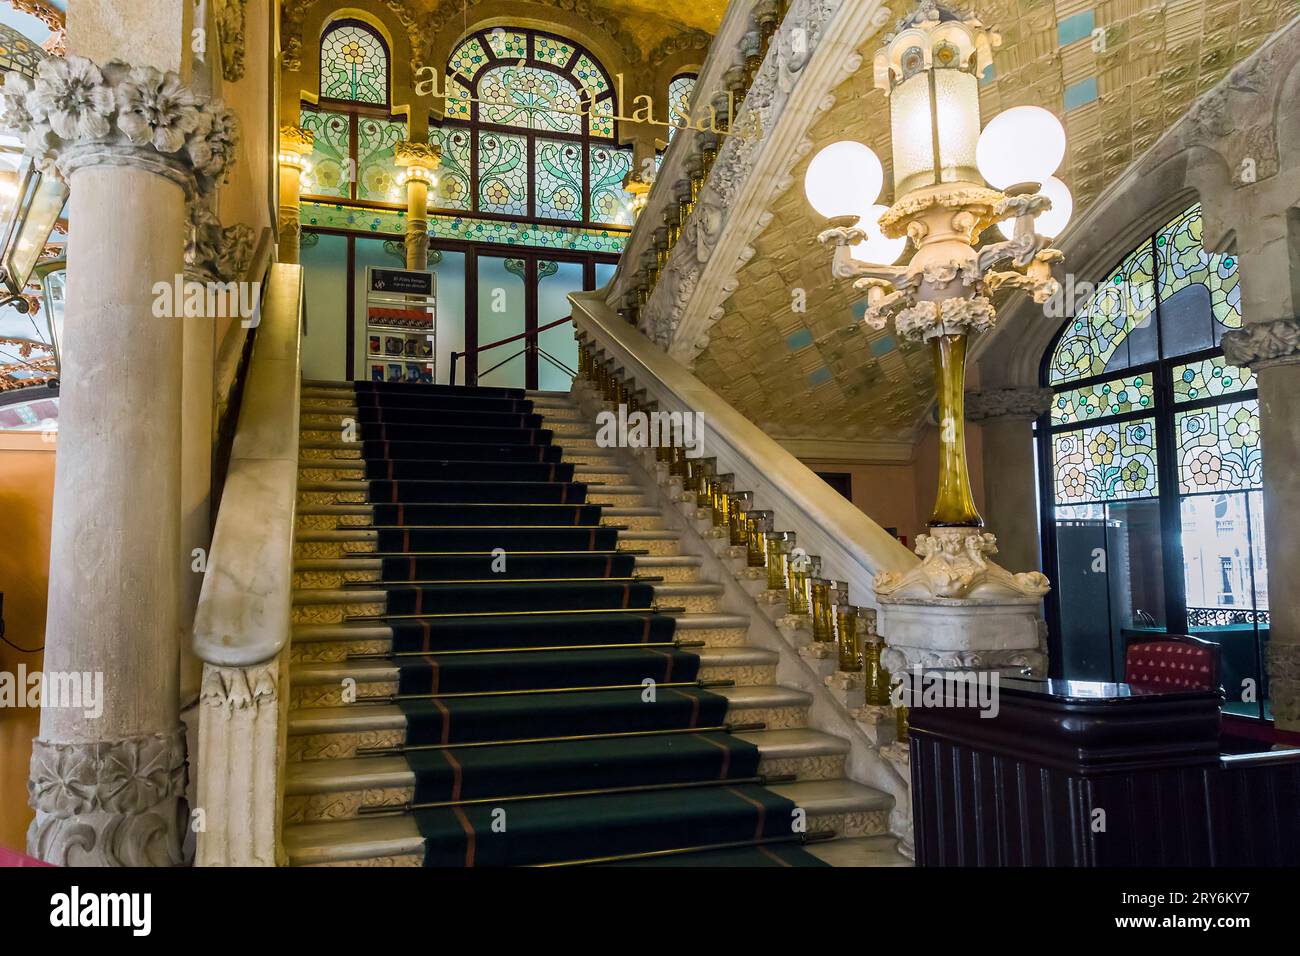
418	162
295	147
1006	416
134	144
1272	350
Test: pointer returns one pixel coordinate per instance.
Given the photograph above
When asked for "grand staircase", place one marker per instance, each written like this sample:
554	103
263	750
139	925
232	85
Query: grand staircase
500	655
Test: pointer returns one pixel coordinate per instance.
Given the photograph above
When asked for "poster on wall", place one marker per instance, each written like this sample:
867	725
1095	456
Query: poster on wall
401	323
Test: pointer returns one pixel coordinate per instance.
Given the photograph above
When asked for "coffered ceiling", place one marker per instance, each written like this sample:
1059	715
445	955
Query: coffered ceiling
1118	73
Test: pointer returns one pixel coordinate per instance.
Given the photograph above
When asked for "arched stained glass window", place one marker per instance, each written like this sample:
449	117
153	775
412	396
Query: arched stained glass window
528	130
353	64
1153	467
680	91
354	133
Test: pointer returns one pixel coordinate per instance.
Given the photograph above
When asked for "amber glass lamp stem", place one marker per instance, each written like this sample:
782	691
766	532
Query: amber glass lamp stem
955	505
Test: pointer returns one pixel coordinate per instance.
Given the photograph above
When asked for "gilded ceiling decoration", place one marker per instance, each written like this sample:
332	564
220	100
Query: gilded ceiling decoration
1118	73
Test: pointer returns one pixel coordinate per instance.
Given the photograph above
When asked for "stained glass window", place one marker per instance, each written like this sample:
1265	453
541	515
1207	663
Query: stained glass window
1106	462
557	166
1209	378
529	107
609	168
1139	379
377	171
1131	393
679	102
529	97
1218	448
333	170
353	64
503	174
452	190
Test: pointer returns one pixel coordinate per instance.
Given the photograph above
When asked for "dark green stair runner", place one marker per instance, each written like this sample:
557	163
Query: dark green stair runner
562	644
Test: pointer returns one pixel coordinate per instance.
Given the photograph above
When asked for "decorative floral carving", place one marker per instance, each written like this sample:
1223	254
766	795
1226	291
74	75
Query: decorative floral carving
1259	344
75	103
239	688
230	28
108	799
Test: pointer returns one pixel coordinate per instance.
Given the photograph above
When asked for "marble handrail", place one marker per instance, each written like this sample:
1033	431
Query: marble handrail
853	548
244	605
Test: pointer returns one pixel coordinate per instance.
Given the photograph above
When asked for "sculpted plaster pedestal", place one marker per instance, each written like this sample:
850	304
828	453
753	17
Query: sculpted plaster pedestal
959	609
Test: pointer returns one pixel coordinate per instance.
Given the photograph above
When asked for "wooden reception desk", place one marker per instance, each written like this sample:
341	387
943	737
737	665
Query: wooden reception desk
1075	773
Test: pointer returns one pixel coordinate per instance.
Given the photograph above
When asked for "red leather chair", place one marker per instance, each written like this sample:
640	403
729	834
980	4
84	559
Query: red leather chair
1175	662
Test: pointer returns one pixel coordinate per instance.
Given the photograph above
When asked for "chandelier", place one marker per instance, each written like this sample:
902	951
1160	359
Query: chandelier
952	184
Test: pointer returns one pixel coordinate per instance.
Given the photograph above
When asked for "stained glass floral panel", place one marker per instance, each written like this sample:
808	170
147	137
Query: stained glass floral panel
679	102
332	171
452	188
1123	301
377	171
1219	448
529	97
1183	262
552	50
1106	462
1210	377
557	179
1102	399
590	75
469	58
508	44
502	174
608	169
353	65
602	118
458	99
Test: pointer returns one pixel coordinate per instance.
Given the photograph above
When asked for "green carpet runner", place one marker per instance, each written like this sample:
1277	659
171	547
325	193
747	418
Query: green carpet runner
552	716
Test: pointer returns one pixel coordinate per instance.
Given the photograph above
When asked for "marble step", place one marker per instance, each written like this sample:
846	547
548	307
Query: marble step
334	642
333	544
320	684
331	450
326	517
336	605
332	733
355	469
878	850
338	572
356	490
848	809
336	789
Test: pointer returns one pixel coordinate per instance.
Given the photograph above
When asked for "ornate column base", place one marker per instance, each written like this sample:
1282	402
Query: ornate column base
959	609
109	802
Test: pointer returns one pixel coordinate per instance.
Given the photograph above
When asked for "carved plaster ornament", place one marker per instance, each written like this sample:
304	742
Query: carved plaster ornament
1261	344
955	564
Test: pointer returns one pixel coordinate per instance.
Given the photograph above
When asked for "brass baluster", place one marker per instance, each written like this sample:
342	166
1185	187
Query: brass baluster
848	637
758	524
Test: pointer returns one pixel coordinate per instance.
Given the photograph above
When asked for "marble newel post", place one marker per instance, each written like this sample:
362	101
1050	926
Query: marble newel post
418	161
136	147
1005	417
295	147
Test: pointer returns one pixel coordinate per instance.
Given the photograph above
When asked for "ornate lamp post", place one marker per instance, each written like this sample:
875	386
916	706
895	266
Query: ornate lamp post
951	183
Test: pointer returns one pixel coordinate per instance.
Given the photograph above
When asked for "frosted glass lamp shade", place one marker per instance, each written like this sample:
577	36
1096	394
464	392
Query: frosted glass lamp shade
876	248
1020	145
843	179
1053	222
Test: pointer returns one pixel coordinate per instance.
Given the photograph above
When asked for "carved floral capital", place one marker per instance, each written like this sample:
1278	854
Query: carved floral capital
77	113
